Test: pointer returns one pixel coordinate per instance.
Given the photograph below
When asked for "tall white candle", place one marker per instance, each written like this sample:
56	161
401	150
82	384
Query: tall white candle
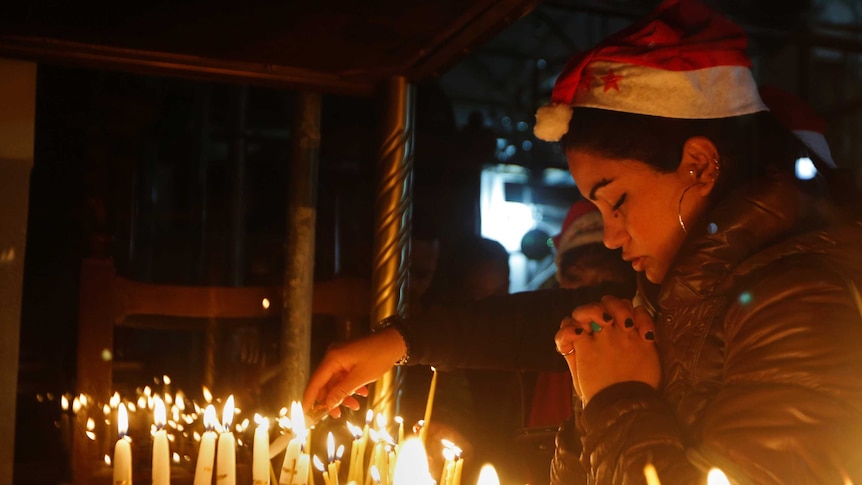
411	468
290	473
122	450
226	451
429	406
206	453
161	449
260	452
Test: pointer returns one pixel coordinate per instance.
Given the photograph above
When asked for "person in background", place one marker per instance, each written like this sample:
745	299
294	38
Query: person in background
742	351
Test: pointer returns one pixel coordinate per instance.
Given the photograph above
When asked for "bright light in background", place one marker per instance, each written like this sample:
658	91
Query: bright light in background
805	169
507	222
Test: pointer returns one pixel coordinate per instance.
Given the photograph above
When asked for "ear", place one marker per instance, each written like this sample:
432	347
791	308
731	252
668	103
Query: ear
700	163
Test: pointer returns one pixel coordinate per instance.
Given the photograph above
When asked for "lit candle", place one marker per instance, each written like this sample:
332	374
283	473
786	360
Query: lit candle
260	452
651	474
400	421
459	467
226	452
332	467
375	475
488	476
161	449
122	450
412	465
429	406
356	431
319	465
717	477
448	472
206	453
290	468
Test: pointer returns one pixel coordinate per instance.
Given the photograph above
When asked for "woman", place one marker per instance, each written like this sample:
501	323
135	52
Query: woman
744	354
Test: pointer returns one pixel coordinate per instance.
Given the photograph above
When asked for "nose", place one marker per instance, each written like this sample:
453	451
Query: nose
615	234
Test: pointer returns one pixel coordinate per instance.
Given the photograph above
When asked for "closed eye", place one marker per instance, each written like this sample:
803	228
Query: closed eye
619	202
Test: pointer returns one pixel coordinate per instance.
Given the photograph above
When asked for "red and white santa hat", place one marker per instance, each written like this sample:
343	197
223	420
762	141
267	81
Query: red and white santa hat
581	226
799	117
681	61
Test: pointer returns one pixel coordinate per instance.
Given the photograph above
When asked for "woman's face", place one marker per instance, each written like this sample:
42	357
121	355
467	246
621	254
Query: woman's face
639	208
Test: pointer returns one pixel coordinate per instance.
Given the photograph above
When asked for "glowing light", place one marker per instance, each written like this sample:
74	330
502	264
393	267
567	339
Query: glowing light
744	298
210	420
412	465
208	396
805	169
91	424
108	460
375	474
712	228
106	355
488	476
330	447
265	303
160	416
318	464
64	403
227	413
651	474
166	380
716	477
122	421
297	419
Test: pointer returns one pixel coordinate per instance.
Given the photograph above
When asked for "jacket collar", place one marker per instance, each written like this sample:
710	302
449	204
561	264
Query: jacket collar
751	218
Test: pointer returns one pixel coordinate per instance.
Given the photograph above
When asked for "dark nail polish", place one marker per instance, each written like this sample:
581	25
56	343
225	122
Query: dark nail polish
579	331
629	323
649	335
607	316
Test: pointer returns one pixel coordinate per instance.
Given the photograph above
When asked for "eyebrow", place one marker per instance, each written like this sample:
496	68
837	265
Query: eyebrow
601	183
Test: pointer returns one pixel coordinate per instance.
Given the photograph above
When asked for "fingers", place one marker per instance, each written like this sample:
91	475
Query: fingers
644	323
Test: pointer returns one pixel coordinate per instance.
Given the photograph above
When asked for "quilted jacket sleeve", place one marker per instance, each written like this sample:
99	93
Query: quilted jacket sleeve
789	409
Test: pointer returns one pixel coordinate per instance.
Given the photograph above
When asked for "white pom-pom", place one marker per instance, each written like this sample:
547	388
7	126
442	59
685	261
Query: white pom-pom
552	121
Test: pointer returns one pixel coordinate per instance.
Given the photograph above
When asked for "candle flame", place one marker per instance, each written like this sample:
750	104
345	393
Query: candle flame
76	405
176	457
122	420
262	423
356	431
318	464
369	415
160	416
106	410
330	446
64	403
208	396
180	401
381	421
339	452
716	477
448	454
488	476
412	464
375	474
91	424
107	460
166	379
147	391
265	303
297	419
83	398
227	413
210	420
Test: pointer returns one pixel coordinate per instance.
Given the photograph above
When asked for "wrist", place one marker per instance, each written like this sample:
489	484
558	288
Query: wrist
395	327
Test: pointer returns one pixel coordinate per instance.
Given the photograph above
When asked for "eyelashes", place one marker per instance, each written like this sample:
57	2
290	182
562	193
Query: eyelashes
619	202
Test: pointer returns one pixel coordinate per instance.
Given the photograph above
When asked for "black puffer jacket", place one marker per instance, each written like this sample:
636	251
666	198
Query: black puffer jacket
760	337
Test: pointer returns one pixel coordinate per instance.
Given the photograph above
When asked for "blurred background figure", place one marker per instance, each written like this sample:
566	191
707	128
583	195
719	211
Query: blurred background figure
799	117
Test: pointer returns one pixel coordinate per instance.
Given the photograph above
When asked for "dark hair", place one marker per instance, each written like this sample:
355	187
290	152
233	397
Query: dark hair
747	145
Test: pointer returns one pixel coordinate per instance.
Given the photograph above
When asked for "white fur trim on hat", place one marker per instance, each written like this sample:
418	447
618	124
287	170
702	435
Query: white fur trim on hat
552	122
817	143
712	92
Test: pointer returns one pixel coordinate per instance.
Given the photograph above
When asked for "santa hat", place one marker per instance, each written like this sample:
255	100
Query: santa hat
681	61
582	226
800	118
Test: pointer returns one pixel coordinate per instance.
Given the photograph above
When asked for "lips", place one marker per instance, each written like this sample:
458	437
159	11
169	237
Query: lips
637	263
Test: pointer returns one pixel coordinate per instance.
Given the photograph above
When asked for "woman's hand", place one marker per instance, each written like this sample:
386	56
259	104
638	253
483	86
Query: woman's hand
611	342
348	367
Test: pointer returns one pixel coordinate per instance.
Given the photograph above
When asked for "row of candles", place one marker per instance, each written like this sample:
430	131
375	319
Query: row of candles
376	457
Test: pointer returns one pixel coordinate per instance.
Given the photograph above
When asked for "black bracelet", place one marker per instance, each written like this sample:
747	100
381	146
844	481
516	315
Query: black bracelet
403	330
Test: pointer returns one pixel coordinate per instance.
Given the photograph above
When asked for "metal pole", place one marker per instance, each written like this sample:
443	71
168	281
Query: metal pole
393	211
299	250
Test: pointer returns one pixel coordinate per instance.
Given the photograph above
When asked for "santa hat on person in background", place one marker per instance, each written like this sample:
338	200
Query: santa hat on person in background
582	226
799	117
681	61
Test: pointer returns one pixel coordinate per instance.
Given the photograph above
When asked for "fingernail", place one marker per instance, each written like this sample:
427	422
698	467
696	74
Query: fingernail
629	323
579	330
596	327
650	335
607	316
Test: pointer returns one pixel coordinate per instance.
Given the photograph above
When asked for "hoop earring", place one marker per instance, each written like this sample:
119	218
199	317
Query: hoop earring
679	208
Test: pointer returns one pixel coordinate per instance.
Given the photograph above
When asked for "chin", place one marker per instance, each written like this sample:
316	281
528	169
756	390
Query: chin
654	277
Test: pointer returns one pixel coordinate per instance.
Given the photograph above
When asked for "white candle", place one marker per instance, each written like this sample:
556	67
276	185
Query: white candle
260	452
332	467
206	453
161	449
290	474
429	406
651	474
226	451
302	469
122	450
488	476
